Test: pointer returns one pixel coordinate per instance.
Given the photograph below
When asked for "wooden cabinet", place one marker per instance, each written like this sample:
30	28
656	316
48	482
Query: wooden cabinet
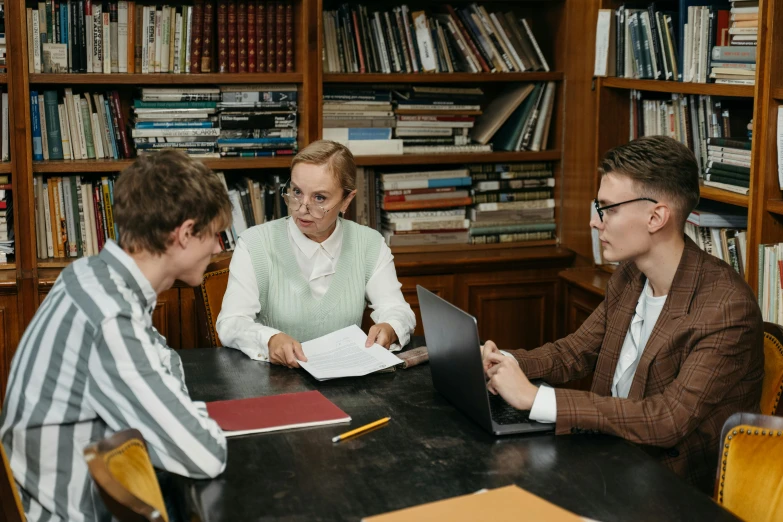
442	285
9	333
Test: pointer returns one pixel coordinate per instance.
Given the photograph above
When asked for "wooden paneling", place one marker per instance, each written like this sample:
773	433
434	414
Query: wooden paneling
442	285
187	314
515	309
9	336
166	318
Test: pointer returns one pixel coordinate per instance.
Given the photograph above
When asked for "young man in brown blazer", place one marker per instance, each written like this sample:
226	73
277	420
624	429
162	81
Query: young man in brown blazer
676	346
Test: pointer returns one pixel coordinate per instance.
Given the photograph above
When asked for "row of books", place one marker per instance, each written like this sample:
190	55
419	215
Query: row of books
230	121
462	39
722	234
73	215
5	141
253	202
770	282
715	44
476	204
77	36
704	124
3	62
6	220
421	119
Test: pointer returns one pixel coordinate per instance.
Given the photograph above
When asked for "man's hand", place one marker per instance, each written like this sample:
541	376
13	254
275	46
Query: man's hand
381	333
486	349
507	379
285	350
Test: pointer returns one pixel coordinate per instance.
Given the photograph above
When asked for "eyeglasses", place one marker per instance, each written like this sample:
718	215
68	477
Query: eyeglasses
601	209
294	204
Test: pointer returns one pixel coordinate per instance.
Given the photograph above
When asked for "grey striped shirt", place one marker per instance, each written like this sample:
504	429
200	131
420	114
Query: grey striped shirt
91	364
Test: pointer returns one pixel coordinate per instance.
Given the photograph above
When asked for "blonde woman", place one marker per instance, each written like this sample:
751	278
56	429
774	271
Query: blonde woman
311	273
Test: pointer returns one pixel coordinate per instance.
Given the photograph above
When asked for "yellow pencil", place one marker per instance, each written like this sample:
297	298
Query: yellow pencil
366	427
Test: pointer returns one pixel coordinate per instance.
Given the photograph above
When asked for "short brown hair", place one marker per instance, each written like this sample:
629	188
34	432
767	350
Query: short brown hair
161	191
660	166
337	158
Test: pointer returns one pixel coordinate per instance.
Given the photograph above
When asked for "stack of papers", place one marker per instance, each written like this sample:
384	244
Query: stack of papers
342	354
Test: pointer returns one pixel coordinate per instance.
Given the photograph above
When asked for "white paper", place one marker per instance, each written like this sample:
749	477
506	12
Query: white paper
342	354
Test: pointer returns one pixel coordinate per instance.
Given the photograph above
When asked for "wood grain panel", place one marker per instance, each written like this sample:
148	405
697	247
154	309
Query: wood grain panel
166	318
9	336
442	285
187	314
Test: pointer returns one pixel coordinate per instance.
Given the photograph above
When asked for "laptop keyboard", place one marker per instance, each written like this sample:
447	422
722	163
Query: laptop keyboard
503	413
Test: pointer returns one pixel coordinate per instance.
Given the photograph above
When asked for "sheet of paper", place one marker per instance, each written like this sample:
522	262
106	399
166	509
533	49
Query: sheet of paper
342	354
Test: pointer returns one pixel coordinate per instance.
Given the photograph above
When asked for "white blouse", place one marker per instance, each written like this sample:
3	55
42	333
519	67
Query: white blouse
317	262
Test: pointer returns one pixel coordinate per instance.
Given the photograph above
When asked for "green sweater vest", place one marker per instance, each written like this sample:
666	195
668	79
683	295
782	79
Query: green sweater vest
287	303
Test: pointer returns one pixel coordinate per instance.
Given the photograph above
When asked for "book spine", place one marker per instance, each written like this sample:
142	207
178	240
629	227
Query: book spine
233	45
241	18
280	36
196	33
289	36
207	37
36	130
251	36
87	126
119	122
44	137
271	41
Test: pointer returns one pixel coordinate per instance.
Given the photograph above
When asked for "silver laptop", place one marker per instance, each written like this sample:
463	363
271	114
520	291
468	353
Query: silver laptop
457	371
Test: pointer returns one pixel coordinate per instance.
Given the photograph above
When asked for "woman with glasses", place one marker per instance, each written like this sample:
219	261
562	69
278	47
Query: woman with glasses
312	272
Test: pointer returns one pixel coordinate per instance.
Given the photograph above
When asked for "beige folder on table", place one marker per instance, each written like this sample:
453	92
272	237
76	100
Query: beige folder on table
510	503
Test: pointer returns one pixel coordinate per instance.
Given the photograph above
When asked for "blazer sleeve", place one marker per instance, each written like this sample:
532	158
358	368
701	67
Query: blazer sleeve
569	358
718	362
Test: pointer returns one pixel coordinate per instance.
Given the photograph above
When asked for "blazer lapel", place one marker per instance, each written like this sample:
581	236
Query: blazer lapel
674	310
618	321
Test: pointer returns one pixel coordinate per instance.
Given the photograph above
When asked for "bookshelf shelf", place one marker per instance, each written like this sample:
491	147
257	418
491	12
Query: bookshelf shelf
3	78
4	268
777	94
442	77
775	206
163	79
79	166
436	159
713	89
724	196
5	167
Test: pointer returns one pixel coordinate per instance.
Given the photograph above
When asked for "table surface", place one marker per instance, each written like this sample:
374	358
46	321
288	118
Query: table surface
429	451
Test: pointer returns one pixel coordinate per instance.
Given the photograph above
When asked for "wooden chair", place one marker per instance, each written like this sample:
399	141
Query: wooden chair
749	482
209	301
121	468
10	504
772	387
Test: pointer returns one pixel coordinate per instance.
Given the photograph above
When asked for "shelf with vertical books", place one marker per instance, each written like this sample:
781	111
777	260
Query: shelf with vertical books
80	166
164	79
710	89
458	77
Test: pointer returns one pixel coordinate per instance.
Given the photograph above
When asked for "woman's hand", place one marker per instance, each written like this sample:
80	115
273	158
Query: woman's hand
381	333
285	350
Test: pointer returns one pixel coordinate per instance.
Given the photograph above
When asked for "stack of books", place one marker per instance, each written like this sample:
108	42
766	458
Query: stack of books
362	119
462	39
734	62
126	37
425	208
770	289
6	223
436	120
257	121
721	231
74	216
512	202
80	126
728	164
176	118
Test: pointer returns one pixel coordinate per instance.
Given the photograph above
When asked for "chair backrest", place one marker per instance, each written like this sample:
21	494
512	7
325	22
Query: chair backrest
750	477
121	468
10	504
209	301
772	387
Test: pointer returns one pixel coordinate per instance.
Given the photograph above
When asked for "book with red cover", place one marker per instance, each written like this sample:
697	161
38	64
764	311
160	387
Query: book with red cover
275	412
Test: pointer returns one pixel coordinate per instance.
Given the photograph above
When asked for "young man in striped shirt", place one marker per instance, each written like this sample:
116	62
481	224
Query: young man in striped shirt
90	363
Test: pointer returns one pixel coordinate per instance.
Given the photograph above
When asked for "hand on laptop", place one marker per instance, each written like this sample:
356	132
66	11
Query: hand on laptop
381	333
285	350
507	379
486	349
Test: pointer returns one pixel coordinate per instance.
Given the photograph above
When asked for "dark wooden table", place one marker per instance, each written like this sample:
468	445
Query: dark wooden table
429	451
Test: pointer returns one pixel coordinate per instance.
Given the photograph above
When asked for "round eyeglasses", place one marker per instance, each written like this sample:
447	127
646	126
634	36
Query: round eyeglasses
294	204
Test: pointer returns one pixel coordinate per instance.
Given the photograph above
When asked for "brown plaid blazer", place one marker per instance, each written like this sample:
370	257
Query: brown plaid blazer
704	360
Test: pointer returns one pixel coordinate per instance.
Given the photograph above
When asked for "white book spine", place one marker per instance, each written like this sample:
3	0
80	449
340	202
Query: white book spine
535	44
91	246
424	39
779	142
151	28
158	38
88	23
165	31
122	35
82	210
97	37
36	42
177	42
107	44
75	148
47	220
97	136
80	126
187	40
602	43
65	131
145	27
66	204
6	150
40	240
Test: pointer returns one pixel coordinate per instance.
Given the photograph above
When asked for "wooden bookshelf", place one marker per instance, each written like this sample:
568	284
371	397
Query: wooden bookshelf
164	79
712	89
5	167
5	269
476	157
3	78
79	166
775	206
443	77
724	196
777	94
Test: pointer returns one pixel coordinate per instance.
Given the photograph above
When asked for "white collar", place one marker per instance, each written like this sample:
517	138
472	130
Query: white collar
115	255
309	247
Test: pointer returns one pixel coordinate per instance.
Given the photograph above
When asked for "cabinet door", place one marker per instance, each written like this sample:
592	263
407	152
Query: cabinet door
9	337
515	309
579	304
166	318
187	313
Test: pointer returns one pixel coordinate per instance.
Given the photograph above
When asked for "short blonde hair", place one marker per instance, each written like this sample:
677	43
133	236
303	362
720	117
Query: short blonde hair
161	191
337	158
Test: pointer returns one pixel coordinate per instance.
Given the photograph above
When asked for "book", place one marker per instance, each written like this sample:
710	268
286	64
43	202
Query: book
498	111
275	412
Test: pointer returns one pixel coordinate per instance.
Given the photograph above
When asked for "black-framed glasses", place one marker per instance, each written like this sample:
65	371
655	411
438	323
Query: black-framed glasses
600	210
293	203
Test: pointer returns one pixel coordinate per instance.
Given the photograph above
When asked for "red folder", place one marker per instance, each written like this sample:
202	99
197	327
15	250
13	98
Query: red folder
275	412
